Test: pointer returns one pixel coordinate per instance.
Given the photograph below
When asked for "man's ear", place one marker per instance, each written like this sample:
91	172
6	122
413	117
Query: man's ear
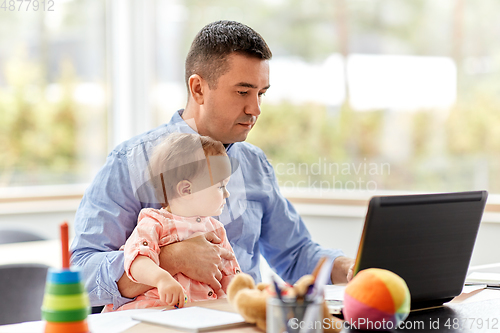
196	88
184	188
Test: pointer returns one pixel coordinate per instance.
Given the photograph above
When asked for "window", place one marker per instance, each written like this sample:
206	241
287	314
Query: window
365	95
52	92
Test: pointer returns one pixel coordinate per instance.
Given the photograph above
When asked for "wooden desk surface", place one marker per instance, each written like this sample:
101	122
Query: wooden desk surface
482	316
465	316
221	304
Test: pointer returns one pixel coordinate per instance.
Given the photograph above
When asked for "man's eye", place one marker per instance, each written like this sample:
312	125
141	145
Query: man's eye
242	92
221	187
262	94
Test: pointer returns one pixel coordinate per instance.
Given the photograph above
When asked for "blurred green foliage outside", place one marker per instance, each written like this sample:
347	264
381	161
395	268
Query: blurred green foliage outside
38	136
443	150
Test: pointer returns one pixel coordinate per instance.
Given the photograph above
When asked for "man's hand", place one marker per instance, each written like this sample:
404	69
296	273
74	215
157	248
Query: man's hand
350	273
199	258
343	270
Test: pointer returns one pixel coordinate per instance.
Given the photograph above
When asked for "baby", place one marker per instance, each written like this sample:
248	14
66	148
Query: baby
190	174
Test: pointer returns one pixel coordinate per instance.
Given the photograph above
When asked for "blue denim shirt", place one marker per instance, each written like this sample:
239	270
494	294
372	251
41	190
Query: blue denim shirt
257	218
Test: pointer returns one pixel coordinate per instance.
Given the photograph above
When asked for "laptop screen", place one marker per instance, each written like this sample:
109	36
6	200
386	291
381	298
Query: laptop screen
426	239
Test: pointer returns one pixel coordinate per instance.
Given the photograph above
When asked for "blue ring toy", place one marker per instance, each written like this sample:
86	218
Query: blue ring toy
63	276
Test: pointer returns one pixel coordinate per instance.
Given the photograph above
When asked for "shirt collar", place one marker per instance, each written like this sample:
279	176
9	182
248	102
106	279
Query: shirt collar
183	127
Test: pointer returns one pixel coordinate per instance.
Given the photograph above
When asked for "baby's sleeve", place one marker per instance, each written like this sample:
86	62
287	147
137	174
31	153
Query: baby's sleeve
144	241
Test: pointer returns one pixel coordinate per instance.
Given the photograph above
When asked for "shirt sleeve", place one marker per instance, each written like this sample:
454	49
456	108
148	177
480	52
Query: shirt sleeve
145	240
105	218
285	241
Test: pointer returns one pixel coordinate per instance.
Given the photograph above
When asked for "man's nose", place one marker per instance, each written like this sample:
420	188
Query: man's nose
226	193
254	107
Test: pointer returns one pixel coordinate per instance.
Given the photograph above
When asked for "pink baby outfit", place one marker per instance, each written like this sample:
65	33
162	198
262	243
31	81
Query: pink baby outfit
157	228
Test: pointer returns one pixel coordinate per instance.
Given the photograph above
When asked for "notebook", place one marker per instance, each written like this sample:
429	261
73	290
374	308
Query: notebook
192	319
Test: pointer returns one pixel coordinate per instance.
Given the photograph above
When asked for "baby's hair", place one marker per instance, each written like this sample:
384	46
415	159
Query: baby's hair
174	160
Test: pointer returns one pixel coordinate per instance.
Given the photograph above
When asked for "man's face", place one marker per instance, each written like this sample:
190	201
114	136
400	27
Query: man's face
229	111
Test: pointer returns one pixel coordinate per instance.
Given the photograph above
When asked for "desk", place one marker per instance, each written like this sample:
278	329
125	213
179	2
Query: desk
220	304
463	316
460	314
463	313
459	317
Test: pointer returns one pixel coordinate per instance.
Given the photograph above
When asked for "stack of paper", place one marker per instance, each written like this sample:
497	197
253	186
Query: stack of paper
490	279
192	319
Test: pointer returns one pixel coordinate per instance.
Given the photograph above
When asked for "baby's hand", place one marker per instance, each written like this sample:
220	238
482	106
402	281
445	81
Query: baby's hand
171	292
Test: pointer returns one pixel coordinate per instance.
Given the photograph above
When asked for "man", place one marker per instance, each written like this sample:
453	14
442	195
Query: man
227	73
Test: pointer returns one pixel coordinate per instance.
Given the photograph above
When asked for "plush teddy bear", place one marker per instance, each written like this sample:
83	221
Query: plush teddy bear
250	300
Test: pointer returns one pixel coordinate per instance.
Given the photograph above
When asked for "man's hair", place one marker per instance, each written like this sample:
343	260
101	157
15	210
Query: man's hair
181	156
208	54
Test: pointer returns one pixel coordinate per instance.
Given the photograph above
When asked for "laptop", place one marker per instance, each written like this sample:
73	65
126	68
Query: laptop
426	239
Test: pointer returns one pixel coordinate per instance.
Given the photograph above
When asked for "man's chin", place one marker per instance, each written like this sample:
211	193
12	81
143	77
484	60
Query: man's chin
239	138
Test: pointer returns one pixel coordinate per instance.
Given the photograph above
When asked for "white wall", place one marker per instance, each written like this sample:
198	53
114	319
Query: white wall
345	233
45	223
342	231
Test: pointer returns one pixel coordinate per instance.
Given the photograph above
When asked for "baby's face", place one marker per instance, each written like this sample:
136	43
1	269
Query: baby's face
211	200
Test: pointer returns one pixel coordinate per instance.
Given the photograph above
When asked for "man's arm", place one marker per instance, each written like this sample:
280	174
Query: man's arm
198	258
106	216
285	240
129	288
342	270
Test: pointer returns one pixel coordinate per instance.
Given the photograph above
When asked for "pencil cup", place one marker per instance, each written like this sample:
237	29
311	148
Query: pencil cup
66	303
294	316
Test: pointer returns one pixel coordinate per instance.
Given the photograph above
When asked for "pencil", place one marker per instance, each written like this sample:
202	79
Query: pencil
318	267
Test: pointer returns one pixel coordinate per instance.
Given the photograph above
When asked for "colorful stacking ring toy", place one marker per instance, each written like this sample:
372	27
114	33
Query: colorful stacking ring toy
66	303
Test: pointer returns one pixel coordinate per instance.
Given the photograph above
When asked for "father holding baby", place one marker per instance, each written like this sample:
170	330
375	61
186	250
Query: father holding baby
227	73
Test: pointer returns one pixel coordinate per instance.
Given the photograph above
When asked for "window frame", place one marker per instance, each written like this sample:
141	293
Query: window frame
57	198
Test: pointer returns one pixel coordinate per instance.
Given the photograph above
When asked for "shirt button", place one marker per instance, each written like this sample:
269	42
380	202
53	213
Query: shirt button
198	219
145	243
210	293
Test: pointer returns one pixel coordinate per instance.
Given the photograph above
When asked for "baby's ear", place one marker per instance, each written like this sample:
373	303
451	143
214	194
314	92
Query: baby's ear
184	188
